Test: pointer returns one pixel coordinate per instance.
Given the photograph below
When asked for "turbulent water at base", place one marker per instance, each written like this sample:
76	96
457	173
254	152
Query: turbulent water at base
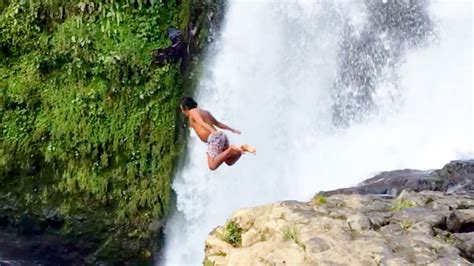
330	93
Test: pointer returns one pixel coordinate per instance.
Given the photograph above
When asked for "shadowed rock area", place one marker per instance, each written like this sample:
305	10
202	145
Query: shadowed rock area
403	227
454	177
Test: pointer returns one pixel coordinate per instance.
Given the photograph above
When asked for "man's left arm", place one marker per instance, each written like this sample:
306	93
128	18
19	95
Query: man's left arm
224	126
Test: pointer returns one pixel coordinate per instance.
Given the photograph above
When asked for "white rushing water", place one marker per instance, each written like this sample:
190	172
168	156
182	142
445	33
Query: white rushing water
329	95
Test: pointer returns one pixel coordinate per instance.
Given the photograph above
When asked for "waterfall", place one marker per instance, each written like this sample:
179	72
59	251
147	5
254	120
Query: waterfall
330	93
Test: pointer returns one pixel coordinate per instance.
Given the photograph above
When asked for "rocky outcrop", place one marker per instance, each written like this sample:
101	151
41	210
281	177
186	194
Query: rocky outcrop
199	29
454	177
414	228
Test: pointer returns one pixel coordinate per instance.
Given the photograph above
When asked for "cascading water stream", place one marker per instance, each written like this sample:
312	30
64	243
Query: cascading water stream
330	93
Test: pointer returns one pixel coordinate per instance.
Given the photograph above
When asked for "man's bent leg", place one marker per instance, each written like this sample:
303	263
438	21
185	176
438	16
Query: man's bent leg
233	157
215	162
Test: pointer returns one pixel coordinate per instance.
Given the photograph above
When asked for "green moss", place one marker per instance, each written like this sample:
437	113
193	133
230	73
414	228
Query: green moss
319	199
406	224
184	15
207	262
88	126
401	204
445	236
233	234
290	233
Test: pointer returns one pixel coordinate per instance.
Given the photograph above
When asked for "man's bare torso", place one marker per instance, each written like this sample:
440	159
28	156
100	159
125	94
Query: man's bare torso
207	118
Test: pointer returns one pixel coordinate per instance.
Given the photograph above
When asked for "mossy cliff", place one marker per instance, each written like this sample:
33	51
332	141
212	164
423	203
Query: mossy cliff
90	129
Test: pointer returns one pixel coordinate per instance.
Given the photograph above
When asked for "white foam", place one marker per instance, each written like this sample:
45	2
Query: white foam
271	77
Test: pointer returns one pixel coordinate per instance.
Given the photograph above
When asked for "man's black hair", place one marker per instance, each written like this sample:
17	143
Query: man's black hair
188	103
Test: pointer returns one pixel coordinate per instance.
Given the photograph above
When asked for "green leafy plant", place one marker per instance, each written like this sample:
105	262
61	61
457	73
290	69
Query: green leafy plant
401	204
445	236
207	262
406	224
290	233
450	238
233	234
319	199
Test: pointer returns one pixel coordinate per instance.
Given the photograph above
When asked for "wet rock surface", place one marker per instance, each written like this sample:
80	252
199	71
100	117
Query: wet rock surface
38	250
429	230
427	219
454	177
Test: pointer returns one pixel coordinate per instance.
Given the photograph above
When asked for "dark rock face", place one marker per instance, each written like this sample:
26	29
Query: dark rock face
175	52
38	251
4	221
28	225
465	243
32	239
188	44
460	221
458	176
454	177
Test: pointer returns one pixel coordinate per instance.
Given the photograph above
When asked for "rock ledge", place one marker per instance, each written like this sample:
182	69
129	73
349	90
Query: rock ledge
426	227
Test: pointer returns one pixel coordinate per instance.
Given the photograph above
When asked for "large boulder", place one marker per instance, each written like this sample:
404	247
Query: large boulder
454	177
415	228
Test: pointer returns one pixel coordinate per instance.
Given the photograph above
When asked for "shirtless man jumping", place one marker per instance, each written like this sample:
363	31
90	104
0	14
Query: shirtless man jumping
204	124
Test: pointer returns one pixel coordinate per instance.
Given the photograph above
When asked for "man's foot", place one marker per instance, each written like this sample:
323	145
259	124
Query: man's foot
237	149
248	148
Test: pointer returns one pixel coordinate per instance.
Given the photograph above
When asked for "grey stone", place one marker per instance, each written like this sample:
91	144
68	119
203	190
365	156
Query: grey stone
465	243
456	176
439	230
317	245
359	222
420	214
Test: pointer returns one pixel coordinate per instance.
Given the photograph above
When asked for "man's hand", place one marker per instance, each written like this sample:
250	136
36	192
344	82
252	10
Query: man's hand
224	126
236	131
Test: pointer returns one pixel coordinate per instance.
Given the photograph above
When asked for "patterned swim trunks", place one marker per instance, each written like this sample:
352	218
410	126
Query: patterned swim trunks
218	142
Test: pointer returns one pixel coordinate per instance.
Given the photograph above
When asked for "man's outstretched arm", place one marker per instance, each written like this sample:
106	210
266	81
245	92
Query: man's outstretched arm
224	126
